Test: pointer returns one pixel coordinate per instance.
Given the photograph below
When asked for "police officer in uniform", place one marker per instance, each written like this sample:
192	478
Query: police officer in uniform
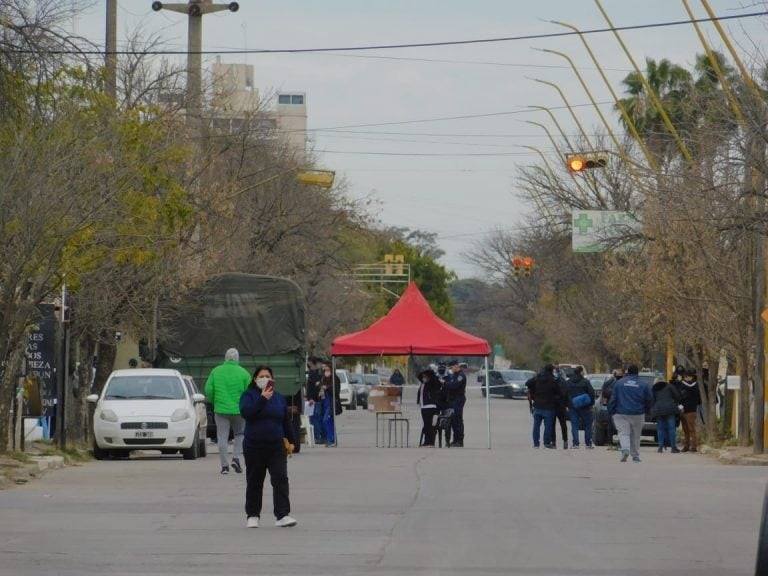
456	388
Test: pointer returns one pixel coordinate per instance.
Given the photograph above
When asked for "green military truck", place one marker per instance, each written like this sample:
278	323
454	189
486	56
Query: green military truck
262	316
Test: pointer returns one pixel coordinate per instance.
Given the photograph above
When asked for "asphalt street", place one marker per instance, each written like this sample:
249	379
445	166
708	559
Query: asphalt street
364	510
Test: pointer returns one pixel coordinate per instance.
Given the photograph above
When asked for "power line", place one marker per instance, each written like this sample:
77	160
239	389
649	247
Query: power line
359	153
444	118
406	45
332	131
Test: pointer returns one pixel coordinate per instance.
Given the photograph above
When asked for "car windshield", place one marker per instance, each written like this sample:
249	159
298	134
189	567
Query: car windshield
372	379
144	388
517	375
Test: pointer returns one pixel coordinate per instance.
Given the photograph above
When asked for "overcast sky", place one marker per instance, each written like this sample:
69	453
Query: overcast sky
399	139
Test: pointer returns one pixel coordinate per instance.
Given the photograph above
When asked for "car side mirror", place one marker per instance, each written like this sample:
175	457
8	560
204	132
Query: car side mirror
197	398
93	398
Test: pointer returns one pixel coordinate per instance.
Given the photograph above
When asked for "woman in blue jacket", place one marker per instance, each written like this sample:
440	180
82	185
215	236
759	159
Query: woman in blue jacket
267	423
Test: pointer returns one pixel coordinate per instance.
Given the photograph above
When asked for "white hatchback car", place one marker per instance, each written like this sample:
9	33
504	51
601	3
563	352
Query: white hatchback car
346	390
146	409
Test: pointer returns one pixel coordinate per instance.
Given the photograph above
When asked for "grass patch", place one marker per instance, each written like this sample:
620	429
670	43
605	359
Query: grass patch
20	456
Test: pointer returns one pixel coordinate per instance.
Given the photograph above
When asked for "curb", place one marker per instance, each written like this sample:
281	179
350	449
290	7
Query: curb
44	463
728	457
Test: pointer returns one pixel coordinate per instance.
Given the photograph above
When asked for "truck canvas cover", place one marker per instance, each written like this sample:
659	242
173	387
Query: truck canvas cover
258	315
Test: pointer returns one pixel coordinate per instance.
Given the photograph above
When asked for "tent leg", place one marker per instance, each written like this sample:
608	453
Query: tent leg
487	402
333	401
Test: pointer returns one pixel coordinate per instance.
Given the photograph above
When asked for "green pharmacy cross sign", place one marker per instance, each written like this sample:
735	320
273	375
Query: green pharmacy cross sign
599	230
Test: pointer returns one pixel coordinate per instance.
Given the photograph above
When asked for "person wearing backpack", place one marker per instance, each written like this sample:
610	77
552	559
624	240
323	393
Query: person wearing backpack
581	398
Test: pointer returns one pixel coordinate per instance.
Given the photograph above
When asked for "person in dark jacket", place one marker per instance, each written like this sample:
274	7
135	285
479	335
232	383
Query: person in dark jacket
605	396
690	399
428	398
561	414
630	400
575	387
544	392
268	426
397	378
315	399
456	387
330	390
666	399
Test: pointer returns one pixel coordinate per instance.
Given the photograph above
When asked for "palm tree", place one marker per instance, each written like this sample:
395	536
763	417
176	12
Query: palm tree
672	84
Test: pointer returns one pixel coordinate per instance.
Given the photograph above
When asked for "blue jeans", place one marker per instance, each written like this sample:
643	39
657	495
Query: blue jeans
328	423
577	416
666	431
548	417
317	422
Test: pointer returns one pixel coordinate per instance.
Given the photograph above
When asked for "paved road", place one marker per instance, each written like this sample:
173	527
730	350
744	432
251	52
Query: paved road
417	511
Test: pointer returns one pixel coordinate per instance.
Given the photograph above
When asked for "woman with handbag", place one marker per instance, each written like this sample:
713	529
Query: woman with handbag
581	398
267	425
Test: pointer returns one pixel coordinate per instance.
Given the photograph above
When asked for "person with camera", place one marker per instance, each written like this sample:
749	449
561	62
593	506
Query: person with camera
269	440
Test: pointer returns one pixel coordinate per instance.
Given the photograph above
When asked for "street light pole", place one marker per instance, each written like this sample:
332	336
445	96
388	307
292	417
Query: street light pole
110	56
195	10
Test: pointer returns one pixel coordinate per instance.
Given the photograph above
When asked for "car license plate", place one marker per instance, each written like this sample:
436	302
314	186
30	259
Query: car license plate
144	434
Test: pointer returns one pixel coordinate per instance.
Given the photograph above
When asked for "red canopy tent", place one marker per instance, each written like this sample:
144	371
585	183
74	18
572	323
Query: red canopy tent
411	327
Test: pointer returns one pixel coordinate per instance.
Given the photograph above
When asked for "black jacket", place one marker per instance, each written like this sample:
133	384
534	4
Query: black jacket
576	385
690	397
666	399
429	392
544	391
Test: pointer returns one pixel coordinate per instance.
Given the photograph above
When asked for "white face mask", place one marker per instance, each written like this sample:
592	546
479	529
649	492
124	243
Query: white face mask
262	382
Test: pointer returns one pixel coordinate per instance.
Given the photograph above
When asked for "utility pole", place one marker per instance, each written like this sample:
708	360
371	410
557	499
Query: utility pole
110	54
195	9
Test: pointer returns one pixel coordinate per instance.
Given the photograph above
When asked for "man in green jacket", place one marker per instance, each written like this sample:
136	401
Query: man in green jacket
224	386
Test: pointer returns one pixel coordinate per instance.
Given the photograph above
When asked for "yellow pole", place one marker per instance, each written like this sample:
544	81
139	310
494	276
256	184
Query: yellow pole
670	357
649	89
570	109
541	205
745	74
716	67
624	114
560	153
619	148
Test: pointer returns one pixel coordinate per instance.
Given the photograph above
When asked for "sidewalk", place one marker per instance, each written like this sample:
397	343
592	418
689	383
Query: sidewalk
736	455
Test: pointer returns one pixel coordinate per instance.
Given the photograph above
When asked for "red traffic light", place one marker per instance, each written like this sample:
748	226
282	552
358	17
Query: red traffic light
528	262
517	261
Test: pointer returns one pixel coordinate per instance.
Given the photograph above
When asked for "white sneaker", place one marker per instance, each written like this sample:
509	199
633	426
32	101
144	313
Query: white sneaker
253	522
285	522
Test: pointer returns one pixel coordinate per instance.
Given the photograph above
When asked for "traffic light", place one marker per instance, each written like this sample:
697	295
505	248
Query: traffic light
527	266
517	262
581	162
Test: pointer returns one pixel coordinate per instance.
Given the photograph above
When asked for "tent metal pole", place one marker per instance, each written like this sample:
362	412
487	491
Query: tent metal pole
333	401
488	402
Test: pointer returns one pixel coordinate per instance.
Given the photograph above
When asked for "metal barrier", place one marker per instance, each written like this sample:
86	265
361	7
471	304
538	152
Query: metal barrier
761	566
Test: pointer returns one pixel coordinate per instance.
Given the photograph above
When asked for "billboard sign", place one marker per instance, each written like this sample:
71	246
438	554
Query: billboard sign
600	230
41	354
